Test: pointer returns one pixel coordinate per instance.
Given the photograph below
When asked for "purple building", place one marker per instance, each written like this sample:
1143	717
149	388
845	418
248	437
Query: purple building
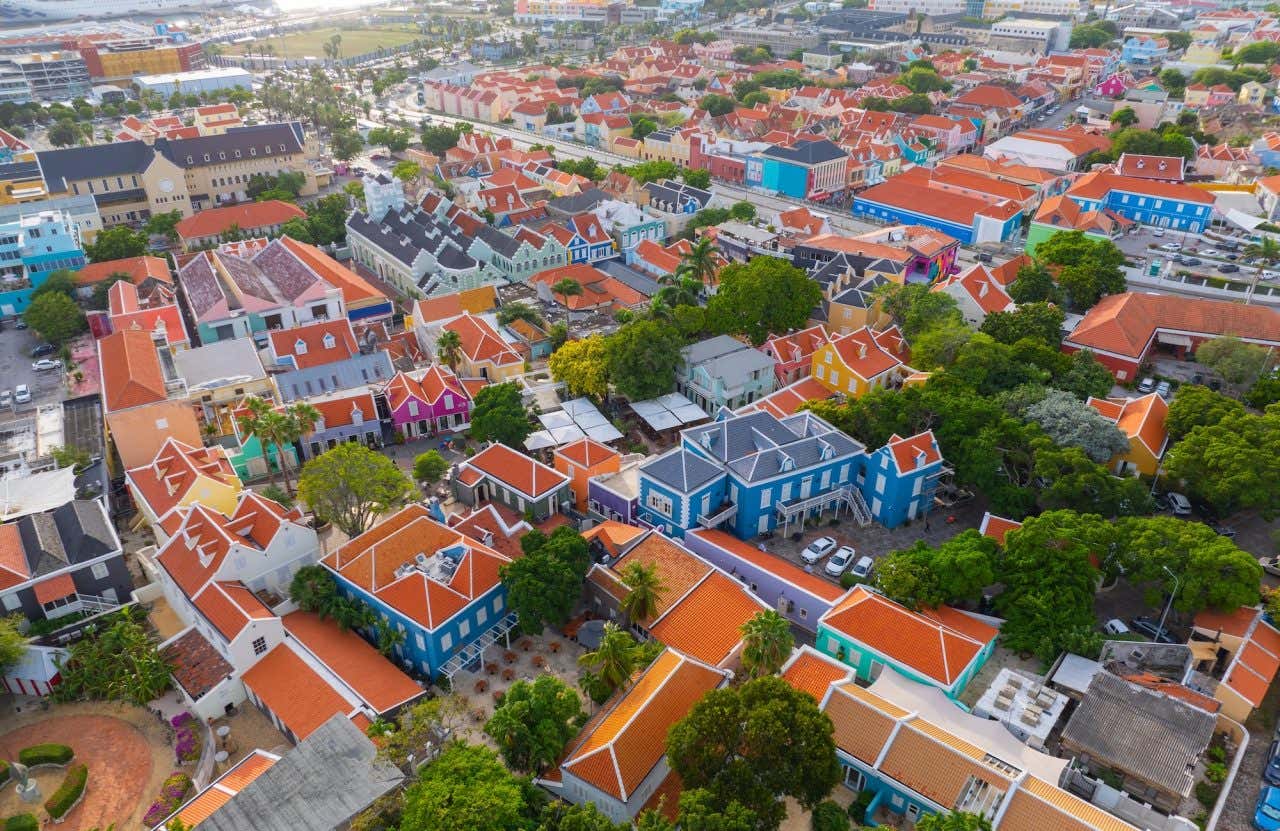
428	401
798	595
616	496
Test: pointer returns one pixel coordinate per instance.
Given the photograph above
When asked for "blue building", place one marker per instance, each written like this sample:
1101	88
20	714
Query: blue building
752	473
431	582
687	8
807	170
1145	201
912	198
1143	50
901	478
31	248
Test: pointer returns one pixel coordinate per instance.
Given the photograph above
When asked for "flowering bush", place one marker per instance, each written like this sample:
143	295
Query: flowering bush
172	794
186	741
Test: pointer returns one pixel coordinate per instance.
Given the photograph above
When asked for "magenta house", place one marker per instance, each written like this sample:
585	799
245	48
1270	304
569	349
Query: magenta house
427	402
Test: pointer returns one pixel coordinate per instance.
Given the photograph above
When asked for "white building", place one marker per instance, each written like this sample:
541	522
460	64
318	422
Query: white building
1031	152
196	81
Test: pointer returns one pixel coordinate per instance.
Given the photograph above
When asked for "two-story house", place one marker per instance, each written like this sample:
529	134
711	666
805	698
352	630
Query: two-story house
864	359
1160	204
793	352
1142	420
428	401
179	476
725	372
347	415
901	478
581	461
485	352
505	476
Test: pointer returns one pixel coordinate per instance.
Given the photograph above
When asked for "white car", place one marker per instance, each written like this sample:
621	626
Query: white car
22	394
817	549
1159	232
863	569
1115	626
6	398
840	560
1179	504
44	365
1171	246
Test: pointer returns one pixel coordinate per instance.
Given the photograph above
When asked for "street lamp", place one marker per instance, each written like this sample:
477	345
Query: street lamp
1167	603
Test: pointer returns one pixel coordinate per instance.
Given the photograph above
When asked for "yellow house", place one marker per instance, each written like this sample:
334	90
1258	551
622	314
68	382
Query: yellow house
1252	94
1142	422
1202	54
179	475
1254	649
854	363
483	352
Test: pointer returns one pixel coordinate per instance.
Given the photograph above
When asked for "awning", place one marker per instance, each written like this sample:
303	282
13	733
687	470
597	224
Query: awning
1173	339
55	588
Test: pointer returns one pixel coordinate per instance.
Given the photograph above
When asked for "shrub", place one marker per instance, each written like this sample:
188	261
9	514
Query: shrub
1215	772
172	794
46	754
1217	753
829	816
186	739
22	822
4	771
1207	793
68	793
858	808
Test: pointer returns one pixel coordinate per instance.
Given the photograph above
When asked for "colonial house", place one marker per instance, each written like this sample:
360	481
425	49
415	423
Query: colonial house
793	352
977	294
1142	422
428	401
943	647
437	585
485	352
902	477
179	476
1160	204
349	415
724	372
502	475
581	461
855	363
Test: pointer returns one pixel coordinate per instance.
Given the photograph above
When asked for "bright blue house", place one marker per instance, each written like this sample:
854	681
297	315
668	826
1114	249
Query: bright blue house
752	473
1144	50
31	248
804	171
431	582
901	478
912	199
1147	202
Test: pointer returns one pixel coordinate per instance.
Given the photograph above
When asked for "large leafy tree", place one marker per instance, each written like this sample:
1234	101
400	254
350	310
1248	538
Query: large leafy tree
916	309
351	484
754	745
1067	478
642	359
278	427
766	643
13	645
1235	360
583	366
1195	406
700	810
534	722
562	816
1211	571
56	317
313	590
116	244
1039	321
953	821
116	661
498	414
1088	269
761	296
1034	284
1233	464
1071	422
924	576
466	788
63	280
543	586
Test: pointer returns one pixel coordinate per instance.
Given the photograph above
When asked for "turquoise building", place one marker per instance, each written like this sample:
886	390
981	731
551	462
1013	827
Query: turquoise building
31	248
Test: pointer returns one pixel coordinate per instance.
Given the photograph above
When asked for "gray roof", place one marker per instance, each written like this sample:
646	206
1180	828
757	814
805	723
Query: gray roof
73	164
72	533
259	141
681	469
403	235
677	193
1144	733
220	363
628	276
326	780
808	152
504	244
356	371
728	359
757	445
578	202
861	295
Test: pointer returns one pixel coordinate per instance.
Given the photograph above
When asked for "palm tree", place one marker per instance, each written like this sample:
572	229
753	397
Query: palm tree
613	660
766	643
953	821
566	288
699	262
278	427
645	589
449	348
1267	253
516	310
678	289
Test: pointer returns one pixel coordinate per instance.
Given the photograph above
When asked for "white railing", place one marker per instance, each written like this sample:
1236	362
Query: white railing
81	603
724	515
473	651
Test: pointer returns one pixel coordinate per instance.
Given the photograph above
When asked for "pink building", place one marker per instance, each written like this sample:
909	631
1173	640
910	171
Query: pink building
428	401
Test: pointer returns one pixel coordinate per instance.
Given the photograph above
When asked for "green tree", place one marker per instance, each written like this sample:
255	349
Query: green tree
56	317
742	211
465	788
611	664
641	127
761	296
1071	422
1089	268
583	366
701	811
1212	572
755	744
915	308
562	816
13	644
69	455
424	728
922	576
642	359
1090	36
439	139
345	144
923	79
543	586
829	816
1034	284
756	99
766	643
1195	406
1234	359
449	348
1233	464
164	224
1039	321
697	178
1264	393
498	414
566	288
652	171
953	821
115	661
313	590
1173	81
61	281
351	484
430	467
716	105
534	722
64	134
407	171
1263	52
645	589
278	427
1083	375
298	229
1124	117
116	243
519	310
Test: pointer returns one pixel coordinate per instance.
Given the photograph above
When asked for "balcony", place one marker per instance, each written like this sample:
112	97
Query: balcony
725	514
74	603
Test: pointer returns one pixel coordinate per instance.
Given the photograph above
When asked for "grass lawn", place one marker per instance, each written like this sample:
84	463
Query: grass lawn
354	41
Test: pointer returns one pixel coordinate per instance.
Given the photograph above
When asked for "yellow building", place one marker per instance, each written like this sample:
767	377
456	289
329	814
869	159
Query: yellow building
1142	422
1253	649
853	364
180	475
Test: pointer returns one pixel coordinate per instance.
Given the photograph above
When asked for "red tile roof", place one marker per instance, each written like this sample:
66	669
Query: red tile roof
528	476
1098	184
778	567
914	452
323	342
344	653
298	695
139	269
812	672
587	453
249	217
1124	324
863	355
131	373
176	468
54	588
997	527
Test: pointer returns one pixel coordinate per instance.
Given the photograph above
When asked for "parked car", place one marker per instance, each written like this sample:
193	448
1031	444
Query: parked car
45	364
863	569
1222	530
1266	813
817	549
840	560
1197	378
1163	389
22	394
1150	628
1271	773
21	324
1271	565
1178	503
1115	626
1159	232
1194	261
1228	268
1146	385
43	349
6	398
1170	246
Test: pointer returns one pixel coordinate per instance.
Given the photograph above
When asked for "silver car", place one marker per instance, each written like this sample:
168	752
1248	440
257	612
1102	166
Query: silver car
839	561
817	549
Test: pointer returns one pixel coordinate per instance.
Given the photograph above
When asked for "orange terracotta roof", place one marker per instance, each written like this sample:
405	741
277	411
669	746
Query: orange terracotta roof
983	289
248	216
131	373
778	567
298	695
862	355
356	291
598	288
812	672
1098	184
314	350
530	477
927	646
481	342
176	468
613	535
138	269
588	453
344	653
226	786
14	568
997	527
1138	418
706	623
677	568
1235	622
630	738
340	410
54	588
788	400
1124	324
1254	666
909	454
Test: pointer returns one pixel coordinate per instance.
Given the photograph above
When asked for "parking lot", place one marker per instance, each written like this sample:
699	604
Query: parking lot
15	368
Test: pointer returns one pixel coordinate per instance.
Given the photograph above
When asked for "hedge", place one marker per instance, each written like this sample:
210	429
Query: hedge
46	754
68	793
22	822
4	771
